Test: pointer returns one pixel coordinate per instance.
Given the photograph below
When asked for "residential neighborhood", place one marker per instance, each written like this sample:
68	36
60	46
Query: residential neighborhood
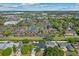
39	33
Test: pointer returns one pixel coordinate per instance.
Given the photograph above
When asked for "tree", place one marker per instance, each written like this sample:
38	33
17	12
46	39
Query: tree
1	20
14	48
26	48
55	23
7	51
72	40
47	38
55	51
37	50
7	32
77	30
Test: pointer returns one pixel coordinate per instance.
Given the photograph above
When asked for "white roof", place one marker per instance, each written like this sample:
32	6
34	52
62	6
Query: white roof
2	46
10	23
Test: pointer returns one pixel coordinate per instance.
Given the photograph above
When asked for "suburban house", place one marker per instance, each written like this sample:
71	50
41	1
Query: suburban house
69	47
18	32
39	44
1	35
5	44
70	31
62	45
51	43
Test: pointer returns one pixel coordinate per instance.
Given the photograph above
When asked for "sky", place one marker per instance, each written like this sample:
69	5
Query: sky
39	6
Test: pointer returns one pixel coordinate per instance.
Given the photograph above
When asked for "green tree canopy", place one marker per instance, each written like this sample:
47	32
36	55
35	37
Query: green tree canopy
26	48
55	51
7	52
72	40
7	32
77	30
14	48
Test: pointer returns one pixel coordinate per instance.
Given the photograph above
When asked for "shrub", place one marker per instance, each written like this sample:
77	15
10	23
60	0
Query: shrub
55	51
26	48
7	52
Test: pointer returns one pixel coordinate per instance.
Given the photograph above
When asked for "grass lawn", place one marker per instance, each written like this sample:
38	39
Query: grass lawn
36	38
59	38
21	38
66	37
69	53
72	37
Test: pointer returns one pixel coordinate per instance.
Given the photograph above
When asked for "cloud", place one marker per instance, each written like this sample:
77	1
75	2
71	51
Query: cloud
27	3
37	7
